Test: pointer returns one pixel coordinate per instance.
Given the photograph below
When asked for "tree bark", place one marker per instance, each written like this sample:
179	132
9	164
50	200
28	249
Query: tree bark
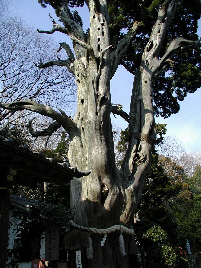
100	199
97	198
108	196
94	148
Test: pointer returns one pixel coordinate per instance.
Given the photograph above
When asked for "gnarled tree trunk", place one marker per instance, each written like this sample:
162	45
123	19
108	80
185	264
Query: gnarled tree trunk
108	196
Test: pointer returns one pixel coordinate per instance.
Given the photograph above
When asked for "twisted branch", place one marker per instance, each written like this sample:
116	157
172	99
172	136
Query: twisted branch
45	110
122	47
173	47
66	31
45	132
117	109
66	63
68	51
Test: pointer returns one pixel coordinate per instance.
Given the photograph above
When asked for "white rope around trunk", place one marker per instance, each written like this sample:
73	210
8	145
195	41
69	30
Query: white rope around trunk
122	229
108	230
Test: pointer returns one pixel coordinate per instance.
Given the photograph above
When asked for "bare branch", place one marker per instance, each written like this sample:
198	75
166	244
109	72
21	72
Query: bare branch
73	29
52	63
73	37
45	110
150	57
55	24
67	63
79	42
117	109
45	132
57	29
6	115
123	46
173	47
144	137
165	16
141	134
68	51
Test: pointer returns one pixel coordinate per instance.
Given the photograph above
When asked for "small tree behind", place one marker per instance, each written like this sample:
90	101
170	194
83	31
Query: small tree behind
20	78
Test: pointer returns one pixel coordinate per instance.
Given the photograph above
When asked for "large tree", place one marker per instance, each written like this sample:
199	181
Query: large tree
147	38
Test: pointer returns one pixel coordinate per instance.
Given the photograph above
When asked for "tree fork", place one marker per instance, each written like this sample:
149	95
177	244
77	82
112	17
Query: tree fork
96	130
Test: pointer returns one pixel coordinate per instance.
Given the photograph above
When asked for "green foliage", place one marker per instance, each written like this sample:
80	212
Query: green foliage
169	255
156	234
156	248
58	195
168	216
160	133
154	6
170	209
123	142
58	3
184	77
158	231
195	181
159	191
76	17
62	147
173	201
187	210
172	169
176	81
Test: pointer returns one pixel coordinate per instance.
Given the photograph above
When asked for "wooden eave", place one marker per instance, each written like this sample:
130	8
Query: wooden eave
24	165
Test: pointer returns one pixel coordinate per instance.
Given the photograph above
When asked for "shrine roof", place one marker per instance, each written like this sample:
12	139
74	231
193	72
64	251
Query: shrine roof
24	165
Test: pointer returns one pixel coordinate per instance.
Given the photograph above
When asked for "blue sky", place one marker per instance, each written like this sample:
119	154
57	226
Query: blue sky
185	126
